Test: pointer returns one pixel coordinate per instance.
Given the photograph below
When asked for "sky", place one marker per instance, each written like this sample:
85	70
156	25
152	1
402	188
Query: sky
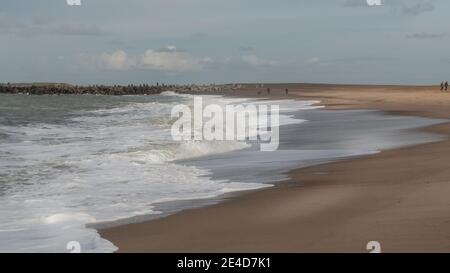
225	41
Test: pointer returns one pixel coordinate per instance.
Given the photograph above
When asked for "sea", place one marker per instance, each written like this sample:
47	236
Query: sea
72	164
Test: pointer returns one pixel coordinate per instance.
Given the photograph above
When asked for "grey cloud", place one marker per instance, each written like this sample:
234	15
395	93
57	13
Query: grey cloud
199	35
410	7
241	38
42	25
355	3
405	7
247	48
41	20
170	48
361	59
77	29
425	35
418	8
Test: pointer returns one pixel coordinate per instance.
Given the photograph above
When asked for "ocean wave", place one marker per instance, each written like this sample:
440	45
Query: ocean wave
102	165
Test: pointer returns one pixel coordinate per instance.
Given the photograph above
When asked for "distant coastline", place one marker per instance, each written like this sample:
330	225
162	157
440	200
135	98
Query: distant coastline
116	90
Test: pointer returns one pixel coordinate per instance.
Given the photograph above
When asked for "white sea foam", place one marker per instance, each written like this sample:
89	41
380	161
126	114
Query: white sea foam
103	165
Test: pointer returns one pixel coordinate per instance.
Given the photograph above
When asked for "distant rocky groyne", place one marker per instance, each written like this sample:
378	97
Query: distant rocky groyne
117	90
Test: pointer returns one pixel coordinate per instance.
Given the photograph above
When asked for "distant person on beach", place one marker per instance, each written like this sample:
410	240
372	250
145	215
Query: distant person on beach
268	91
287	91
442	86
446	86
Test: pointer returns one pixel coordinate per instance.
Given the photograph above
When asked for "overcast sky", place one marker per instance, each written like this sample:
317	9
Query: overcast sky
202	41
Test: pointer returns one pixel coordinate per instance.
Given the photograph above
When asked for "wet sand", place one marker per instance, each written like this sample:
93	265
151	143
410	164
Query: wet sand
398	197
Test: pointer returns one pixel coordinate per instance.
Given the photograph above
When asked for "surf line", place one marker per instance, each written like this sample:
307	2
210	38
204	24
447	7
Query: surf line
235	122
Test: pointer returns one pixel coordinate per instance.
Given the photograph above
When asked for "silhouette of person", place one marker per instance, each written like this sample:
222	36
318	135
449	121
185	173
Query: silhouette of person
446	86
268	91
442	86
287	91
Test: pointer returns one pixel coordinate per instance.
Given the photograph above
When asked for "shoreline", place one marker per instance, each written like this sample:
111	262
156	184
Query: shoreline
333	207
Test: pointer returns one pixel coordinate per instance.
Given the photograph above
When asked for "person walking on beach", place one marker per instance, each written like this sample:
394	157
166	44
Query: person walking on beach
446	86
287	91
442	86
268	91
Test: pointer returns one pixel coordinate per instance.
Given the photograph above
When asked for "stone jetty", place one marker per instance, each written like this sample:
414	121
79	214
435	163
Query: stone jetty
117	90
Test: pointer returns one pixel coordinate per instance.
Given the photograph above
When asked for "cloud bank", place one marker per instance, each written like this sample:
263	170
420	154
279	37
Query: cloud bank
168	59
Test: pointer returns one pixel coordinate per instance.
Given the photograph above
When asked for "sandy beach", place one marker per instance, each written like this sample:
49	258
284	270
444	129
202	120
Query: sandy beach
399	197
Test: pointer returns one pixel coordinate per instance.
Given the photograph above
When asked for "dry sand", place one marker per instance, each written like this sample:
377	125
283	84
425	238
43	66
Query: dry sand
400	198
